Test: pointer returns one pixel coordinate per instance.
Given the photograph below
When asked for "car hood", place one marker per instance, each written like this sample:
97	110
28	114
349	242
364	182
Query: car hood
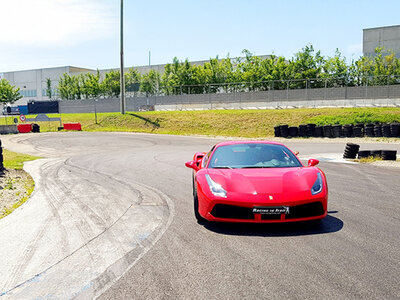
280	183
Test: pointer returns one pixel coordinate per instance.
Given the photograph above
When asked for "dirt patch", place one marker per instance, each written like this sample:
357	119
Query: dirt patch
15	188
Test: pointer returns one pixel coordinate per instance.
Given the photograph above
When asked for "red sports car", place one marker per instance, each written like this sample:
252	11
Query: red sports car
257	182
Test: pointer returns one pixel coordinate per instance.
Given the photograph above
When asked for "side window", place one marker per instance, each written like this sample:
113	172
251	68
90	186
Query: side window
206	158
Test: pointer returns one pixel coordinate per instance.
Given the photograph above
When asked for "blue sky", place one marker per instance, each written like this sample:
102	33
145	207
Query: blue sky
85	33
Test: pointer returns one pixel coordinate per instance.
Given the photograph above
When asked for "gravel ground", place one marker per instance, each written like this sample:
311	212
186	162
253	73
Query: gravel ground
14	187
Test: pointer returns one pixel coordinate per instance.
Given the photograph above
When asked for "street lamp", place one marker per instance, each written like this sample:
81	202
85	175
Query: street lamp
122	59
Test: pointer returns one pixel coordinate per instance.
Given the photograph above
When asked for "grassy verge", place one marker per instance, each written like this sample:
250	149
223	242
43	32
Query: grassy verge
13	160
17	185
240	123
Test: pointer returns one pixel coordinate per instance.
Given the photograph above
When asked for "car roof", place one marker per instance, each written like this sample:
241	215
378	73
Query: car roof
247	142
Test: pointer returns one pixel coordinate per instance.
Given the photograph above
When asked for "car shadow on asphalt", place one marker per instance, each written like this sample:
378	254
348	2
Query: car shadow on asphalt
328	225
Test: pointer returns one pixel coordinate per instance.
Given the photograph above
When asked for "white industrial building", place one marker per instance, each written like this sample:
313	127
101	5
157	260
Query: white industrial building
387	37
33	83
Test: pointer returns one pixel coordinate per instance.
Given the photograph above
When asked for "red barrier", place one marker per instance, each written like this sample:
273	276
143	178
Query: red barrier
24	128
72	126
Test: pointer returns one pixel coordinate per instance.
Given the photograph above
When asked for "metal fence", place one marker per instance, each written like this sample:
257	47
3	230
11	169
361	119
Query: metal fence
365	91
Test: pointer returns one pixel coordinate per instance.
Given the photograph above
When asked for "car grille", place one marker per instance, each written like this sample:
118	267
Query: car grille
232	212
306	210
226	211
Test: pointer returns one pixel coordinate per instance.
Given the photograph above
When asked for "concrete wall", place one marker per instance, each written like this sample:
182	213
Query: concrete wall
388	37
337	97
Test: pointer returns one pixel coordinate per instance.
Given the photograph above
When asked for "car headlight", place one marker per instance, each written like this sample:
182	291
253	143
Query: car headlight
215	188
318	185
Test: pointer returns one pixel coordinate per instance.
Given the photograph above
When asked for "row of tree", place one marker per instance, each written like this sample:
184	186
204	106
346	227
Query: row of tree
306	69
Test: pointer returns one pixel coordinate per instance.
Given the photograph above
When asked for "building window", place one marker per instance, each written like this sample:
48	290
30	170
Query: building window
28	93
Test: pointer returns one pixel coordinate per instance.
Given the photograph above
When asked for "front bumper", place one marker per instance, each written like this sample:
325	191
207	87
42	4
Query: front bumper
234	213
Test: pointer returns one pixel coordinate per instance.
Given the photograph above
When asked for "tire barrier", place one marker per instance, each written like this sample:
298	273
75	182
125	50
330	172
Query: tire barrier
336	131
389	154
378	130
293	131
364	154
369	130
327	131
284	131
277	131
347	130
394	129
311	130
318	131
351	150
386	130
376	153
303	130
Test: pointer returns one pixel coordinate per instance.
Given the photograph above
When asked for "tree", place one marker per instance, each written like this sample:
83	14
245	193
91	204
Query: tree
132	80
49	91
111	84
8	93
150	83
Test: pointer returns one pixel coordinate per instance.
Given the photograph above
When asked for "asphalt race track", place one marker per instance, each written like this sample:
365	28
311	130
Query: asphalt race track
112	217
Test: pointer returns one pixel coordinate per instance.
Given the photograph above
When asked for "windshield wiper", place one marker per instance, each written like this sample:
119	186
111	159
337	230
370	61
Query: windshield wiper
222	167
258	167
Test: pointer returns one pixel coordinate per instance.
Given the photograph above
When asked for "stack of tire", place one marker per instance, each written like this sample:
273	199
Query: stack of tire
351	150
336	131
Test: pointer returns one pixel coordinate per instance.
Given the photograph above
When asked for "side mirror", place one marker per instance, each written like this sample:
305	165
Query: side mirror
296	153
192	164
313	162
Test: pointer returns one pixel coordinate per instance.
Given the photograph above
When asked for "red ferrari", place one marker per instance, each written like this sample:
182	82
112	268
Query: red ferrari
257	182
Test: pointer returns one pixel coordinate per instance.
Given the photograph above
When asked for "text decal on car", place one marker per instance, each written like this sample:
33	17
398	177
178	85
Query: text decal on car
275	210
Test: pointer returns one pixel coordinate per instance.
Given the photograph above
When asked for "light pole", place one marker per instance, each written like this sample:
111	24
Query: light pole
122	59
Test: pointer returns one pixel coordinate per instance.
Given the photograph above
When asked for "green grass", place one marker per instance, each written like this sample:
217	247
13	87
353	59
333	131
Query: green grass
13	160
29	187
239	123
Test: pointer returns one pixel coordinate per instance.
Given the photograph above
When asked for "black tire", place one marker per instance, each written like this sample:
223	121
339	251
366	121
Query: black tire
277	131
386	130
318	131
394	130
389	154
327	131
357	131
378	131
293	131
284	131
303	130
337	131
364	154
369	130
376	153
348	130
197	215
311	130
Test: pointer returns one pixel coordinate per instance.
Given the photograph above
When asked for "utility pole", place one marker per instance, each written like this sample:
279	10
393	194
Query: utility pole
149	58
122	60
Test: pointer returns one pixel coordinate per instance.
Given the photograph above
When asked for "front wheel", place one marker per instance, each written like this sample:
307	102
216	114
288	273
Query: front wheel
197	215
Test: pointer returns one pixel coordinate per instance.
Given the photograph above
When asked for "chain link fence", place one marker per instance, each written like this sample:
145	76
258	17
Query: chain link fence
340	92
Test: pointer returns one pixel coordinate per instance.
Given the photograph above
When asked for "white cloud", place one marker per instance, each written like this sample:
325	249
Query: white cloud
55	23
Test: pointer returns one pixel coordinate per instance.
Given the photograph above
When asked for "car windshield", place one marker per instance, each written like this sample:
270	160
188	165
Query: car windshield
255	155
